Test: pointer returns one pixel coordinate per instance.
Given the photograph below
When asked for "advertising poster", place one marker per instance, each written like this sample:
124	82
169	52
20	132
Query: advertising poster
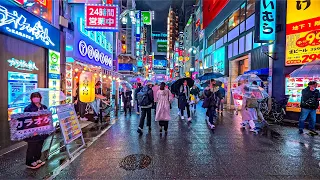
302	32
54	77
69	79
19	83
161	46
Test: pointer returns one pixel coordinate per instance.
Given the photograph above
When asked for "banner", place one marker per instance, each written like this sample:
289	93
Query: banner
30	124
162	46
302	32
101	17
146	17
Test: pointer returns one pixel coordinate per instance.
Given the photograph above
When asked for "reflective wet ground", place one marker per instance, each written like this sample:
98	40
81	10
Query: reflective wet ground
190	152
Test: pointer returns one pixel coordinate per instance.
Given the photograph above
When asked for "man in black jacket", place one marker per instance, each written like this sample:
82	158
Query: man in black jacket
146	109
136	96
309	105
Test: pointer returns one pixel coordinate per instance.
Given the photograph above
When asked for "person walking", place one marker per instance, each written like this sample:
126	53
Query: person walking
35	143
126	99
155	90
309	105
222	93
146	100
138	89
248	110
183	98
163	107
211	97
195	92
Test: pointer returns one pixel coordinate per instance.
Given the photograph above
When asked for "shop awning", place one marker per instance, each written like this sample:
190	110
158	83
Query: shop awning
259	72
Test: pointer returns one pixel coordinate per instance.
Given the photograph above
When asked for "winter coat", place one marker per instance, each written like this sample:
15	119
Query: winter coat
126	96
151	99
211	97
163	107
136	92
183	97
309	99
155	90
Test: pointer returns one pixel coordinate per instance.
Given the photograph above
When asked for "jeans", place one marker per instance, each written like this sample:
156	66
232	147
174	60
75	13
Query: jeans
82	108
165	124
34	151
303	116
212	114
188	110
145	112
138	107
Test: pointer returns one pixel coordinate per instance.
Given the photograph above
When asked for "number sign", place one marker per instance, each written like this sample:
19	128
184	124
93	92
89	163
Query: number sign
101	17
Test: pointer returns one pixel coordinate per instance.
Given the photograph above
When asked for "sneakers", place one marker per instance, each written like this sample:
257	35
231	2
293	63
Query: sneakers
254	130
182	117
140	131
41	162
212	126
313	132
34	165
83	119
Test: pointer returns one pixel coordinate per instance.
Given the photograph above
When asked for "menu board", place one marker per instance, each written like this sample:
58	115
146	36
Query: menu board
294	87
19	83
69	83
69	123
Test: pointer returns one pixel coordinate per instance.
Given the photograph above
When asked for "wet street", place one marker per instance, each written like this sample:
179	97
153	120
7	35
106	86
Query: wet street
195	152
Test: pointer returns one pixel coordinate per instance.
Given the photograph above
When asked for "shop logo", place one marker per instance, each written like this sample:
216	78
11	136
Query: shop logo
22	28
91	53
22	64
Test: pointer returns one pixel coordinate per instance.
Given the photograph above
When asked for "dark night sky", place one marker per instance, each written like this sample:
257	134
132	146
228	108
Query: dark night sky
161	8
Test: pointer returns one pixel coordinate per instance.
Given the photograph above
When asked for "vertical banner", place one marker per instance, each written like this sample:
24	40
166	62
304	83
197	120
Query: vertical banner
54	77
86	87
302	32
265	22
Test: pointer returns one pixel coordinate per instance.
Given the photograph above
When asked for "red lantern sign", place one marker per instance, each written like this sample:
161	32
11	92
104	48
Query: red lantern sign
101	17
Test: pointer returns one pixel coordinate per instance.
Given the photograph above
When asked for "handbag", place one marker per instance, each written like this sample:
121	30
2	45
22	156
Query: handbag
252	103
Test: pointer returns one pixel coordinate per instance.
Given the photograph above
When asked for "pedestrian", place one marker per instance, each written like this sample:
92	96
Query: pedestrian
211	97
248	110
155	90
183	100
35	143
265	95
146	100
136	97
222	93
195	92
81	106
126	94
309	105
163	107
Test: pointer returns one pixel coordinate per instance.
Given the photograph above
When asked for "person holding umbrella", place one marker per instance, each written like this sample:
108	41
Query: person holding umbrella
212	96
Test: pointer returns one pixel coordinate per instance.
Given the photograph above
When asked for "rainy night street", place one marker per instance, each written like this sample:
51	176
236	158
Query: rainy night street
195	152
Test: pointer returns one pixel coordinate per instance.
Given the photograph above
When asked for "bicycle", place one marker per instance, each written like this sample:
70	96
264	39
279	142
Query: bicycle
278	110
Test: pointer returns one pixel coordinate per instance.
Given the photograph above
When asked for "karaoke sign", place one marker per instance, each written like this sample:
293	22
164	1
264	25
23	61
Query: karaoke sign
101	17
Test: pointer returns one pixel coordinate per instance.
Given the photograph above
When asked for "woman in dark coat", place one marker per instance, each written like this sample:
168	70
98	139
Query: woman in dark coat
126	95
212	95
183	98
35	143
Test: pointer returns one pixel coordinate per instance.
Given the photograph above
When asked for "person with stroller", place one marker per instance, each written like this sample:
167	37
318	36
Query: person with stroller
211	97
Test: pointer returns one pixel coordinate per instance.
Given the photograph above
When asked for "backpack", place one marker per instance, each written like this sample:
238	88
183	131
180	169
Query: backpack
143	97
252	103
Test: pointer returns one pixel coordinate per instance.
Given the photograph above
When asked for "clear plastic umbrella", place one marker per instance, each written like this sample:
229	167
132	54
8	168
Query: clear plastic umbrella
49	96
247	77
128	85
254	91
311	69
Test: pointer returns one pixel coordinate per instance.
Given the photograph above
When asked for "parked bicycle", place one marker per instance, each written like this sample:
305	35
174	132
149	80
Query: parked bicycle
278	110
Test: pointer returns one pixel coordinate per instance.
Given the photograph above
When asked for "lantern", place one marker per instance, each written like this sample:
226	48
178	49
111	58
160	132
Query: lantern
86	87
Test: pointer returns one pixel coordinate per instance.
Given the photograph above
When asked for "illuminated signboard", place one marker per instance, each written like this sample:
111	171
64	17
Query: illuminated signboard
22	64
146	17
101	17
93	55
20	2
302	32
21	24
265	22
138	25
162	46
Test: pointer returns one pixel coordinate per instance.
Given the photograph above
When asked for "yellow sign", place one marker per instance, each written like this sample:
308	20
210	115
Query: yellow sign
180	58
302	32
86	87
188	74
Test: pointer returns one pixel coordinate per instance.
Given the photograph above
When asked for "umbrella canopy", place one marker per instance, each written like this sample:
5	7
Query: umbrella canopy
128	85
254	91
311	69
247	77
175	87
137	79
208	76
48	95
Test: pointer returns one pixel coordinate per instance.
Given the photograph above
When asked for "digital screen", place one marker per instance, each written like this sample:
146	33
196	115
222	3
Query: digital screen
125	67
160	64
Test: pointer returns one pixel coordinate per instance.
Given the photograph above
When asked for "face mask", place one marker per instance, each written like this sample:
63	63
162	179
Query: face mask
36	100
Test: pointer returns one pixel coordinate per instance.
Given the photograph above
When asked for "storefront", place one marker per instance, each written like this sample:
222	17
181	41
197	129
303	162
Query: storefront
29	56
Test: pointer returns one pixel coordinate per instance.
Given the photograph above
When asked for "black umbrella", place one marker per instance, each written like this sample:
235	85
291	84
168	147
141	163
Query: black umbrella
175	87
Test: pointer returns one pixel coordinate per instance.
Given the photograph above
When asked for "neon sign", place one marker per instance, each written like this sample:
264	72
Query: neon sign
94	54
19	23
22	64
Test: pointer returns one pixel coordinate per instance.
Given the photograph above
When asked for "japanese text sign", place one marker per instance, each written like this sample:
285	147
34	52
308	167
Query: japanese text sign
146	17
101	17
302	32
265	21
29	124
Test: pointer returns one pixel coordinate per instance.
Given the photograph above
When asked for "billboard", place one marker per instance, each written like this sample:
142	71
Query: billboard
101	17
302	32
211	8
162	46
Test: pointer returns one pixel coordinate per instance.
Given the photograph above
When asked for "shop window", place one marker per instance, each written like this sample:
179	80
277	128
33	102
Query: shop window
235	48
225	38
219	43
249	41
234	19
242	27
241	45
243	12
250	7
210	40
230	50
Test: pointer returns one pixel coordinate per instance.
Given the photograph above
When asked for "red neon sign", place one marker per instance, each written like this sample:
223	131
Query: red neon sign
101	17
21	2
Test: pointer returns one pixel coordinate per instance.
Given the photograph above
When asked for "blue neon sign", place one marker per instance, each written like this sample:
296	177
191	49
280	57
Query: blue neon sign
265	21
21	24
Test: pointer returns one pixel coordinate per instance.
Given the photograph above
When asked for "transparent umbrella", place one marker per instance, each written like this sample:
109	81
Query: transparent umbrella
311	69
254	91
247	77
49	96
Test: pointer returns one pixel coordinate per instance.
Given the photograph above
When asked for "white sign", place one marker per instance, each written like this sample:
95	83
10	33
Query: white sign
22	64
91	53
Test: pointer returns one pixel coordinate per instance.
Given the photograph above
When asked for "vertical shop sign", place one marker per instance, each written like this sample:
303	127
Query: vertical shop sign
54	78
265	22
86	87
101	17
302	32
146	17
